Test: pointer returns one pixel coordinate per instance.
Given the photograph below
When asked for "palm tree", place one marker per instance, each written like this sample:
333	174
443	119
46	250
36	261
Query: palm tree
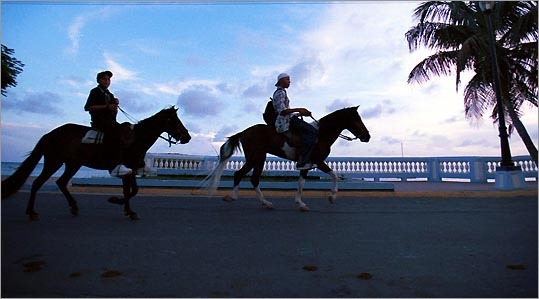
457	30
11	67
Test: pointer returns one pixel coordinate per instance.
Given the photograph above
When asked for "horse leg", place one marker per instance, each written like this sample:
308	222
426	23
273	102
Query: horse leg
334	189
238	175
255	181
301	182
49	168
62	182
130	189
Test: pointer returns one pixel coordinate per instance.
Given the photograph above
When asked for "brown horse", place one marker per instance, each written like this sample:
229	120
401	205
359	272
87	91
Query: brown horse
63	146
260	139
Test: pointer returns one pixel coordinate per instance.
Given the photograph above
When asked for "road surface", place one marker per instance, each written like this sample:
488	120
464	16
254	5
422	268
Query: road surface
198	246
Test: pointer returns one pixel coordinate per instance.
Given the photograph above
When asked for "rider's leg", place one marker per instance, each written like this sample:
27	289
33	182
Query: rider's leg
113	141
308	137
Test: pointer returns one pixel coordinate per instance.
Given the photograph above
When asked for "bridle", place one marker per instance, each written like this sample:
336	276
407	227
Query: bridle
340	134
133	119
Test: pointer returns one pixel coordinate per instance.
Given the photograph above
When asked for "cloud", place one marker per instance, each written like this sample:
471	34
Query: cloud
337	104
75	28
35	102
74	33
224	132
390	140
372	112
19	139
306	73
120	73
132	102
453	119
198	100
255	91
225	88
76	82
386	107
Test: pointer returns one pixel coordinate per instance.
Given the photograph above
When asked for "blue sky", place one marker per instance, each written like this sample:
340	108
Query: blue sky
217	61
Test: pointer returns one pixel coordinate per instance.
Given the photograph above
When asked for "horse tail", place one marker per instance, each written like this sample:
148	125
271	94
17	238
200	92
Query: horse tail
229	148
211	182
14	182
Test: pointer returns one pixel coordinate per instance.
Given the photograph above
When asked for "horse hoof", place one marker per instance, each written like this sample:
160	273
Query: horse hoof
331	199
134	216
268	205
75	212
116	200
304	209
33	216
229	198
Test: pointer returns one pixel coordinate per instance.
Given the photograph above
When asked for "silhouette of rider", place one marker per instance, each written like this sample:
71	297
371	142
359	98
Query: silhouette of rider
288	119
103	108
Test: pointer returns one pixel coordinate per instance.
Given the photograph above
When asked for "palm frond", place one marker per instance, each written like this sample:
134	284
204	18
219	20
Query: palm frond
437	64
518	22
478	97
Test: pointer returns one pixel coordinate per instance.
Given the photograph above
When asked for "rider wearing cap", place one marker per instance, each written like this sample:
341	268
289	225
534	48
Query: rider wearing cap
287	120
103	108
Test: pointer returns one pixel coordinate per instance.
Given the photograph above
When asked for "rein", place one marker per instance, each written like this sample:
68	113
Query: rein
340	135
133	119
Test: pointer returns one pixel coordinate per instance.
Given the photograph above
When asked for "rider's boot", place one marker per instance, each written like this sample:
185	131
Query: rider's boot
120	170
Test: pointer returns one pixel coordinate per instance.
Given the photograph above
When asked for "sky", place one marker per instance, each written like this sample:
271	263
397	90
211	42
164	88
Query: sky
218	62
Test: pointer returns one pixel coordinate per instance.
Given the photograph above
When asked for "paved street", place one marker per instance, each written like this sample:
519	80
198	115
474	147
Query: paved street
198	246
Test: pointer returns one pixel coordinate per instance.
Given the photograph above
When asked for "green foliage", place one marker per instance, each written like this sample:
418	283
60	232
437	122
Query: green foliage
457	31
11	67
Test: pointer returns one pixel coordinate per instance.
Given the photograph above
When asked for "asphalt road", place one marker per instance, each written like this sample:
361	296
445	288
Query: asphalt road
203	247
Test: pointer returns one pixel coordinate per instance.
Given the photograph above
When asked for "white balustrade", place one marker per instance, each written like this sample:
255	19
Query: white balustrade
474	169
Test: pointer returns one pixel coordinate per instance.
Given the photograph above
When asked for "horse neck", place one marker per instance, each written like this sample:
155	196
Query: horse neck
147	132
331	126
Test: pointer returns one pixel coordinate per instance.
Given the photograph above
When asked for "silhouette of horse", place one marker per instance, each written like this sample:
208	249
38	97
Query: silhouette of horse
258	140
63	146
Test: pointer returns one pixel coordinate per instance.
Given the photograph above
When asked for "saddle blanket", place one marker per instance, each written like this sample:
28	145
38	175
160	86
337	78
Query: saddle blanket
93	136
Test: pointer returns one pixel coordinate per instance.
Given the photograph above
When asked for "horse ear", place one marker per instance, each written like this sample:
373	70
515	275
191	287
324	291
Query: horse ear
357	107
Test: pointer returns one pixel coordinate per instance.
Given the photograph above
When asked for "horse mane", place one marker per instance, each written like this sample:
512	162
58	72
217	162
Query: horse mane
338	114
156	115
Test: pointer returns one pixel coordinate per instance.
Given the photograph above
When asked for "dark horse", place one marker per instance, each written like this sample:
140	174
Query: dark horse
260	139
63	146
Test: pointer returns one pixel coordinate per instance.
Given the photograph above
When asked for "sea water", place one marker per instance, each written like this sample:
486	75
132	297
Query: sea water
8	168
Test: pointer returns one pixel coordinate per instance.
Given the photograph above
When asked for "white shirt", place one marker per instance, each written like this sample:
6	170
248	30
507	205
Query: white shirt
281	102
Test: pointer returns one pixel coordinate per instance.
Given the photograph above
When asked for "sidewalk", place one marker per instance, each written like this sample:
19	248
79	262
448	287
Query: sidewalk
399	189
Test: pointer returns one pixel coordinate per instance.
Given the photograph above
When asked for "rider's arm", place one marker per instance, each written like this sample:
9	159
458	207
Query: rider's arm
101	107
93	98
301	111
279	104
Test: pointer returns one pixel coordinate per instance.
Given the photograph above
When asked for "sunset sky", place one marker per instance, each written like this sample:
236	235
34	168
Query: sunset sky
217	61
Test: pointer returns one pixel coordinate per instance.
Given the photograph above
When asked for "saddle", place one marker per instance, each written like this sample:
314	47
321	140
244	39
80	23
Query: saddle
94	136
270	116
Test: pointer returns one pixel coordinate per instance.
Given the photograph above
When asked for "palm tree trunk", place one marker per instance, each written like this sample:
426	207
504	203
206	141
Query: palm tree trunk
521	130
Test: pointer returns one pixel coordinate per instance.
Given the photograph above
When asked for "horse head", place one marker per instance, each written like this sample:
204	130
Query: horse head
355	125
173	125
